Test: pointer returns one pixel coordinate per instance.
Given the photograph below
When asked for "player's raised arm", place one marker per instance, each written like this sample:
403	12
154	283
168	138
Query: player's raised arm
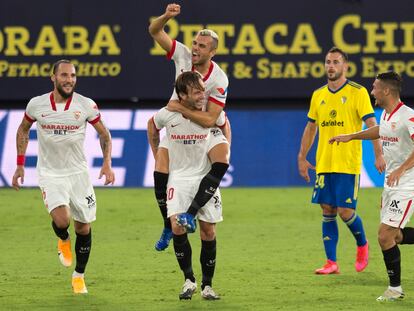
106	146
156	27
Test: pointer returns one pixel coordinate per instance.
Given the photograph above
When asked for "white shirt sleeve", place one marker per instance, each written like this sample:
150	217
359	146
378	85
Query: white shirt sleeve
92	112
161	118
30	111
218	93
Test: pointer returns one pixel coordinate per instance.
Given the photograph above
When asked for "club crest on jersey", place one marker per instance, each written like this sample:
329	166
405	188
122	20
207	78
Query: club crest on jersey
77	114
393	125
343	99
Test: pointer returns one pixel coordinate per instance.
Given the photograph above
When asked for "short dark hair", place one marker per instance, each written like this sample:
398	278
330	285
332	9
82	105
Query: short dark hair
335	49
185	80
392	79
57	64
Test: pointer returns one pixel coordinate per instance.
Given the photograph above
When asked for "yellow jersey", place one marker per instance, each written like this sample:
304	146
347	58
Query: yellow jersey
339	112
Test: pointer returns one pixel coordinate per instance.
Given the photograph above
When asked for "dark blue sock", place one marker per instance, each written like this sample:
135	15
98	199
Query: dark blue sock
330	236
355	225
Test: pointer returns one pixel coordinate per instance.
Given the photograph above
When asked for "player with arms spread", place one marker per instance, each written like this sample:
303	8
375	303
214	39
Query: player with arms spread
198	59
396	131
61	117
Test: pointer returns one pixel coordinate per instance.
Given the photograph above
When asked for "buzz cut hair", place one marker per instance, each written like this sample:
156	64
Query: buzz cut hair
393	80
57	64
210	33
186	80
335	49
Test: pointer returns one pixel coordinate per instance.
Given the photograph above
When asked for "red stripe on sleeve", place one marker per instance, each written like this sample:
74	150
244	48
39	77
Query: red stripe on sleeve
171	52
216	102
153	122
26	116
95	120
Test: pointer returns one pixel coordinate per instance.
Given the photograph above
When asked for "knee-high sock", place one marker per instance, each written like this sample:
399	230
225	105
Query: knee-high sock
183	254
408	235
392	259
208	186
62	233
160	188
330	236
355	226
82	249
208	261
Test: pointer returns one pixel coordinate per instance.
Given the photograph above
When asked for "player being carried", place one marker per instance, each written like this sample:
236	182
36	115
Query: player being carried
190	148
198	59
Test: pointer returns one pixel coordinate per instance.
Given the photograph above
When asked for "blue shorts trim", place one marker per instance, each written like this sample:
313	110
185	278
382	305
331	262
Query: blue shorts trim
336	189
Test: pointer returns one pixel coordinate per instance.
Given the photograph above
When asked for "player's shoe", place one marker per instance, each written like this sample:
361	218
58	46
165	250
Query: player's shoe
331	267
391	295
78	285
188	290
188	221
164	240
65	252
209	294
362	258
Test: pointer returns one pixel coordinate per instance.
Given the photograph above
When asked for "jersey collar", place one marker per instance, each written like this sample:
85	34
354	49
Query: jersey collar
400	104
53	103
340	88
210	69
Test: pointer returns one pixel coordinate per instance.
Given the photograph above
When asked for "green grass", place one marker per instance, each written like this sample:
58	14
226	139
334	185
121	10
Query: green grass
268	246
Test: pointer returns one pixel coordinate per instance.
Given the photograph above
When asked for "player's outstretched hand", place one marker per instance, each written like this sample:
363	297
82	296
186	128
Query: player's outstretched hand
340	139
19	173
172	10
109	174
380	164
304	166
394	178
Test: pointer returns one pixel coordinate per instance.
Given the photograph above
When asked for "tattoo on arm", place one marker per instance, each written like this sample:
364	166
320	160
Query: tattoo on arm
105	141
22	139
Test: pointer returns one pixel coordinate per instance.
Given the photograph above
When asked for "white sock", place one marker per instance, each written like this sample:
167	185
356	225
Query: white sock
77	274
397	288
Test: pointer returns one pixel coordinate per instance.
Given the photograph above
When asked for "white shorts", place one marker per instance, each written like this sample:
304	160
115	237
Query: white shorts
180	194
75	191
396	207
216	137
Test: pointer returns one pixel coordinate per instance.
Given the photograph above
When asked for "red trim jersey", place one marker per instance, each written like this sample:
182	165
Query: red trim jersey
397	133
216	81
188	143
61	132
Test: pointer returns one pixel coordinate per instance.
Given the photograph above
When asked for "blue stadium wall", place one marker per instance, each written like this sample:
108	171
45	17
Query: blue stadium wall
263	152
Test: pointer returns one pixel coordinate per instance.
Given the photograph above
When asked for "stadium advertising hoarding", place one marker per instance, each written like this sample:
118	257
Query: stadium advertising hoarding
263	152
268	50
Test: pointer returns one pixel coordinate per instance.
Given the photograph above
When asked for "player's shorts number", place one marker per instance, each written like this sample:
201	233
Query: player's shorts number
170	193
320	181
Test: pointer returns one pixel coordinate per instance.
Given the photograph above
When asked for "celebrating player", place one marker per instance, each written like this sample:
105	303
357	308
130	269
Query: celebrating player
216	82
61	118
396	131
189	148
338	107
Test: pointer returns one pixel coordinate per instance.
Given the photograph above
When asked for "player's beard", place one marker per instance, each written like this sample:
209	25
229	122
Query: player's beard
335	77
62	92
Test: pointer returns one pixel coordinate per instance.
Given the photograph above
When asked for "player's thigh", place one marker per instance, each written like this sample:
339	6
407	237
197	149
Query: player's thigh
212	212
346	188
82	198
396	207
218	147
55	193
180	194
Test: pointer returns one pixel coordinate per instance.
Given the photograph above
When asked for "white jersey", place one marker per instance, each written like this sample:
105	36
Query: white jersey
216	81
61	132
397	133
188	144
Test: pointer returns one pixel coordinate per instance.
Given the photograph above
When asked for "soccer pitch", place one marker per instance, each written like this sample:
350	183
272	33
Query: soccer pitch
268	247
